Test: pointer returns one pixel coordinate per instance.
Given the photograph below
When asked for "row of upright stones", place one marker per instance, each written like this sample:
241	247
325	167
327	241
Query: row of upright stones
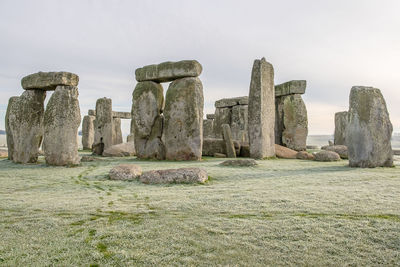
365	129
170	129
28	123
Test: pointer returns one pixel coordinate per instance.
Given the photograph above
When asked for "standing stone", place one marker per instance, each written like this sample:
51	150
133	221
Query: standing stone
25	122
147	121
369	131
183	130
222	116
117	135
10	142
341	121
208	128
239	123
230	148
262	110
88	131
61	122
295	123
104	129
279	120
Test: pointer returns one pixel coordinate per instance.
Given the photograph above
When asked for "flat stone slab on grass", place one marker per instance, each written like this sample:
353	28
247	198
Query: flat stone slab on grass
120	150
49	81
169	71
125	172
174	176
292	87
340	149
284	152
326	156
304	155
239	163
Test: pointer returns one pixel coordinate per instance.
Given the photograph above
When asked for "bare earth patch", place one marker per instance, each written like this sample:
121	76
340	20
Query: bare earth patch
286	212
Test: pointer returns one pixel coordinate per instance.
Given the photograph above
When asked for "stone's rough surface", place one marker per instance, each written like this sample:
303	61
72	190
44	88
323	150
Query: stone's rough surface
222	116
10	141
25	122
208	128
304	155
147	121
49	80
227	135
244	151
61	122
98	149
341	121
239	123
92	112
230	102
169	71
295	123
88	131
120	150
369	131
290	88
183	129
210	116
174	176
121	115
325	155
262	110
117	134
104	129
125	172
284	152
214	145
340	149
239	163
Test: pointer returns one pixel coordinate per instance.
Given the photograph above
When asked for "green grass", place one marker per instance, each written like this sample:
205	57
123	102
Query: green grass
282	212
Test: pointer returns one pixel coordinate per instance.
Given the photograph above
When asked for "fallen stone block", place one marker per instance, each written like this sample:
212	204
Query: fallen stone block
125	172
239	163
325	155
174	176
120	150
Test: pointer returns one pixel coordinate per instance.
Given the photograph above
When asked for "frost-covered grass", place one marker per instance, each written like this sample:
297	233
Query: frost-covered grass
286	212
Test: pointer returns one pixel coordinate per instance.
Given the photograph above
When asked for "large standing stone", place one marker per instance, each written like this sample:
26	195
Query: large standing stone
88	131
262	110
230	147
183	130
25	122
222	116
341	121
117	135
61	122
49	80
290	88
239	123
295	123
10	142
104	128
208	128
169	71
369	131
147	121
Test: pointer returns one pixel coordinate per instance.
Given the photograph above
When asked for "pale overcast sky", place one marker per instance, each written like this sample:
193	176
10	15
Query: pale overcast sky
331	44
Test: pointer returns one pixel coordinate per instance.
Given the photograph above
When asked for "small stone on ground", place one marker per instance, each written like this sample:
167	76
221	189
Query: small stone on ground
174	176
326	156
239	163
125	172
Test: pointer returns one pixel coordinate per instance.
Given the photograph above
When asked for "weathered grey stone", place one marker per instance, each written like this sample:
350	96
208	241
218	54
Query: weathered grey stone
369	131
147	121
10	141
117	135
222	116
208	128
326	155
120	150
244	151
214	145
227	135
176	176
98	149
92	112
104	128
121	115
292	87
304	155
88	131
341	121
125	172
284	152
295	123
239	163
230	102
262	110
340	149
239	123
210	116
61	122
169	71
49	80
183	129
25	122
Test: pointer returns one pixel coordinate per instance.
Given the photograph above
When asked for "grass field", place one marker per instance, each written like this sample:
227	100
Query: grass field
282	212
